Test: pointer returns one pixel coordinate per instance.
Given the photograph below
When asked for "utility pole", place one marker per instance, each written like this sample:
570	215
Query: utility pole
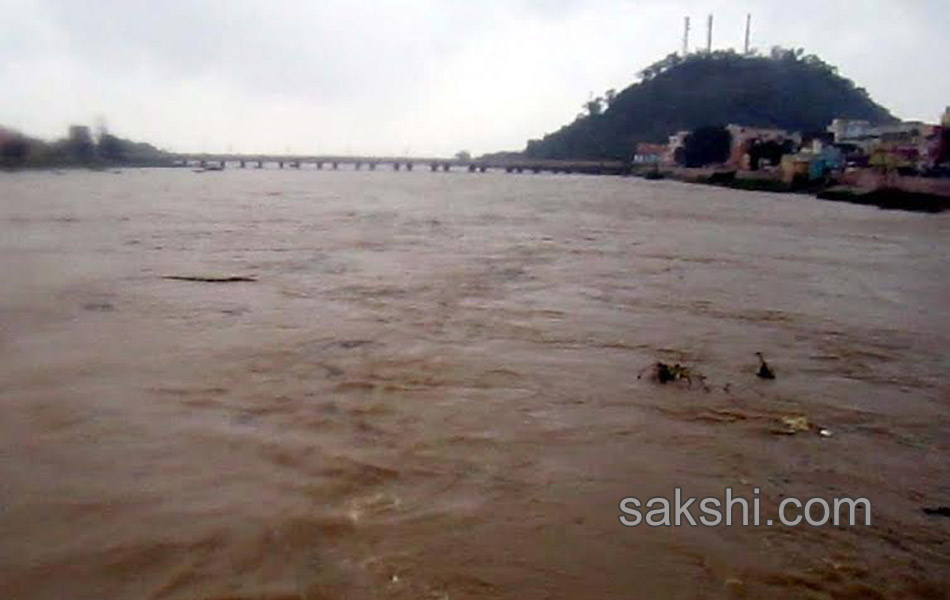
748	28
685	36
709	24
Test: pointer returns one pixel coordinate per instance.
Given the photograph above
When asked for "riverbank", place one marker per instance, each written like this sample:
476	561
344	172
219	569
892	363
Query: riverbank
891	192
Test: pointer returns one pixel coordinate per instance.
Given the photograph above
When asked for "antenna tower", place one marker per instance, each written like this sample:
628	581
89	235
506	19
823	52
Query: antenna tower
685	36
748	30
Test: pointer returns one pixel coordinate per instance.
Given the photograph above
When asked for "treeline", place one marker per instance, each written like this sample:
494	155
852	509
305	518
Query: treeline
80	148
785	90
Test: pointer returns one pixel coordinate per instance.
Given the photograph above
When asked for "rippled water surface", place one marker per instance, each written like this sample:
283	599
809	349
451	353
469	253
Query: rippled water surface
430	390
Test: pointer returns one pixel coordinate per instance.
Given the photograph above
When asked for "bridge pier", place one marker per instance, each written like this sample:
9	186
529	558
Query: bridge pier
406	163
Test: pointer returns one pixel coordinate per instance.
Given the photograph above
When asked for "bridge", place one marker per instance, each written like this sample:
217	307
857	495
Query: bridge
371	163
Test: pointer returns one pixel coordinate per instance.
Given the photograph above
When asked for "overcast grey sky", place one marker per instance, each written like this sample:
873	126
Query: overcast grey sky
424	77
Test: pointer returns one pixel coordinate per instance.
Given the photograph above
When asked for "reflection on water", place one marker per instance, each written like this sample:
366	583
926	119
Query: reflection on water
429	389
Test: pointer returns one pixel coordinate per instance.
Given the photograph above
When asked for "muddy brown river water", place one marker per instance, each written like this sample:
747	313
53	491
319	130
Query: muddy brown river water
429	390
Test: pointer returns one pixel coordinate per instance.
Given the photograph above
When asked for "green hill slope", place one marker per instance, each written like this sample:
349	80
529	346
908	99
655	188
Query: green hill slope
785	90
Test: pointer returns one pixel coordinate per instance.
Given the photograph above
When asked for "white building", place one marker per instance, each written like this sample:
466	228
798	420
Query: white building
846	130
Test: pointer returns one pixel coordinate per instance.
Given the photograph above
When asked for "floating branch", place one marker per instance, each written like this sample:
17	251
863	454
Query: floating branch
211	278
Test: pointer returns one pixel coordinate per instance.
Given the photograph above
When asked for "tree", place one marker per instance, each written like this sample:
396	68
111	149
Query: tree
111	148
14	152
594	106
706	145
661	66
463	156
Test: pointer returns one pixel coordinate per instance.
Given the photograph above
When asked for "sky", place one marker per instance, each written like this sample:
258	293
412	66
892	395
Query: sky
411	77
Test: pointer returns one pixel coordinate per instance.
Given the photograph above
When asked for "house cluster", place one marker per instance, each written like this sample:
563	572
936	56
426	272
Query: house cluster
909	148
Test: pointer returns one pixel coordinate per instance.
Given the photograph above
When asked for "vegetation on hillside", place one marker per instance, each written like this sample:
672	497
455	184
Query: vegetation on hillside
785	90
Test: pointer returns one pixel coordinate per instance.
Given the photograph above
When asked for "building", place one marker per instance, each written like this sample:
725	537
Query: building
796	168
850	130
650	154
868	137
908	146
675	146
814	162
745	138
6	136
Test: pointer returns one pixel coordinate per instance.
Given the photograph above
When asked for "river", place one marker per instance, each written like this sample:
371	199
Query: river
429	387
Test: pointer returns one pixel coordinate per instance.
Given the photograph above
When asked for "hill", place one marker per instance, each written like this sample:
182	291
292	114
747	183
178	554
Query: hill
785	90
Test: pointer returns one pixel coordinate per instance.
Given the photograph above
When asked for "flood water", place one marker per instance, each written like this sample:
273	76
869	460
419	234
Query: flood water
430	389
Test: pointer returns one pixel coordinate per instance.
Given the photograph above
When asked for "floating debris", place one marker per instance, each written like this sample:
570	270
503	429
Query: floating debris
211	278
663	373
765	371
939	511
736	587
797	424
99	306
349	344
793	425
